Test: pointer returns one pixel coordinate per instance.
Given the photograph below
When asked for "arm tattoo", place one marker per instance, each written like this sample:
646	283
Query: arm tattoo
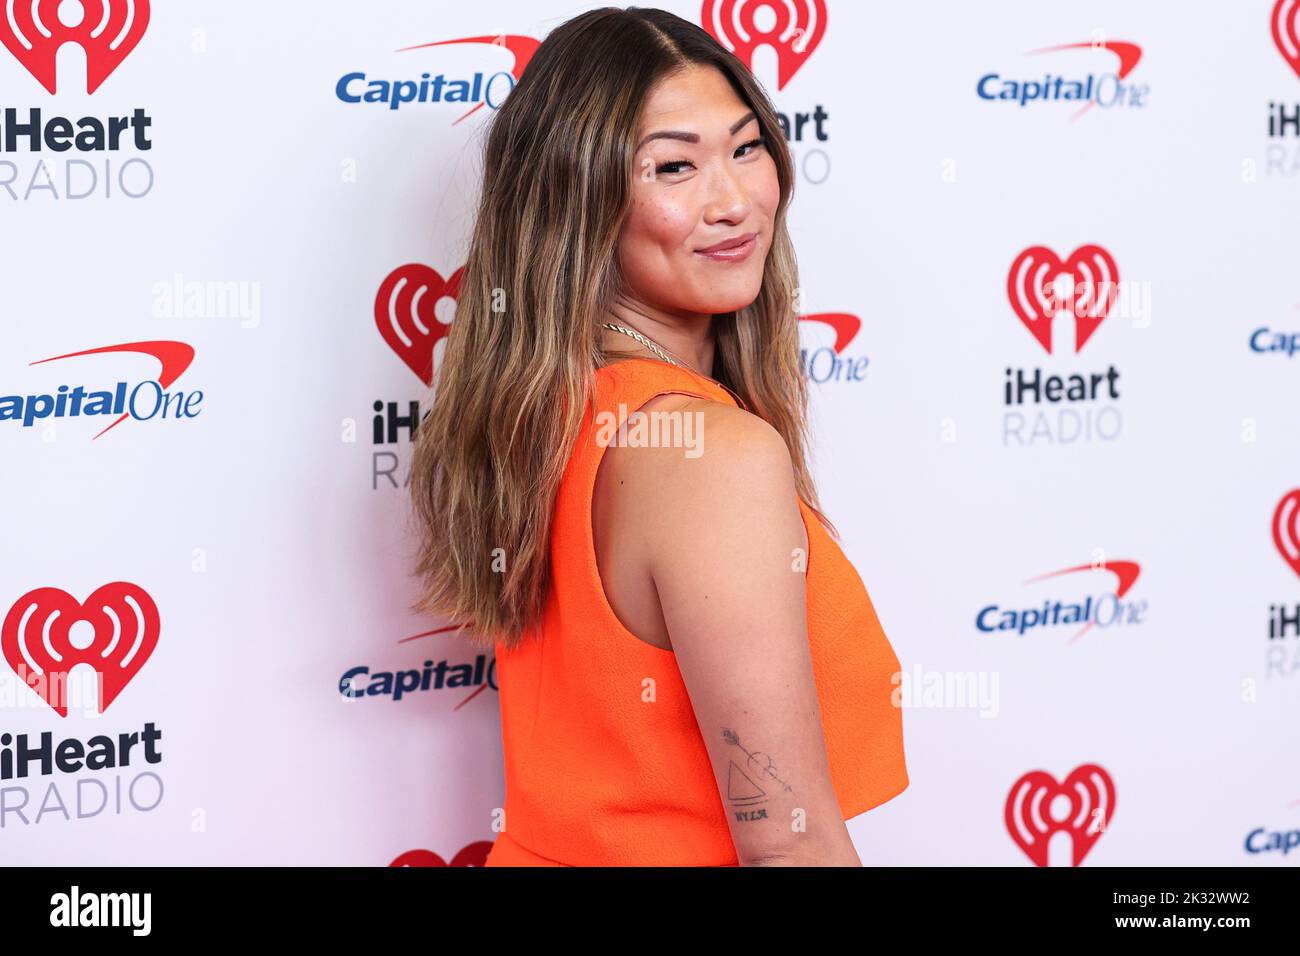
746	786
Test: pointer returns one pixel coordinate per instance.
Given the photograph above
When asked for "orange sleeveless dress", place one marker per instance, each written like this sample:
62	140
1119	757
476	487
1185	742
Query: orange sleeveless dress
596	777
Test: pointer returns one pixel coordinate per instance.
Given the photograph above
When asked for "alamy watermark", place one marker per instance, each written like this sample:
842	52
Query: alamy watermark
968	690
653	429
183	298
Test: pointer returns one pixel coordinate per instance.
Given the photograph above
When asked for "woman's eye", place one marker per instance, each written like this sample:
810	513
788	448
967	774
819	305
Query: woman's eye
669	169
666	169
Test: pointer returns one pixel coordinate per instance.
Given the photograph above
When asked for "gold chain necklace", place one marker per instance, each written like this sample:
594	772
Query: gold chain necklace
668	357
648	342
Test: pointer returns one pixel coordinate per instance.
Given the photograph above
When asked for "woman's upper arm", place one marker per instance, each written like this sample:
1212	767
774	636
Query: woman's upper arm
727	550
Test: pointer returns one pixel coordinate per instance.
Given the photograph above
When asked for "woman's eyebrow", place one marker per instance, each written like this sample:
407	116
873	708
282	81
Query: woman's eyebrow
694	137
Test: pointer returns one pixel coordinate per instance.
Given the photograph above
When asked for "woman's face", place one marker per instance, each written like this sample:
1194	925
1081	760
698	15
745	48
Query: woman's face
702	176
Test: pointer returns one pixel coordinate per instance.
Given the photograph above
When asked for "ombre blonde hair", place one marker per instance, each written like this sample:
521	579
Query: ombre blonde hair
510	391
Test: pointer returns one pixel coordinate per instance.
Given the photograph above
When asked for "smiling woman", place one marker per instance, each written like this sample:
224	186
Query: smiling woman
704	203
691	672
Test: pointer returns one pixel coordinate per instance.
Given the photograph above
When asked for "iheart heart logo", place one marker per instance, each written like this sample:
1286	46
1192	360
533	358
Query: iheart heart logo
474	854
1093	285
1085	803
107	30
794	29
1286	31
1286	529
404	313
36	639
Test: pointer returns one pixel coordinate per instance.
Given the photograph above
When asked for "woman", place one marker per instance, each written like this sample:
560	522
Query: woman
690	671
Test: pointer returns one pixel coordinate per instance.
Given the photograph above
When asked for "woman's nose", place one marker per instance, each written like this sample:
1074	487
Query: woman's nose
728	198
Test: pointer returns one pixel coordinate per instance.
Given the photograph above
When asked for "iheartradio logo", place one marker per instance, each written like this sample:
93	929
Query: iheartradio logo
1286	529
107	30
406	313
792	30
1038	807
48	632
473	854
1286	31
1086	285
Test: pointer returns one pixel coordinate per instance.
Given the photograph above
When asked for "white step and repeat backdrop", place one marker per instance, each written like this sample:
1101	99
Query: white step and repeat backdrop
1052	317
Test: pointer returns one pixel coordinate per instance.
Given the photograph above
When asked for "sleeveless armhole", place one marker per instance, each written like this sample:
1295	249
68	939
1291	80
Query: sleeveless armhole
606	608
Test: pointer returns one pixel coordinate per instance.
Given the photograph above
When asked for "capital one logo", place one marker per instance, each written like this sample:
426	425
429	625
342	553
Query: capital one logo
792	30
845	325
1040	284
1286	529
173	359
1286	31
107	30
48	632
1038	808
406	314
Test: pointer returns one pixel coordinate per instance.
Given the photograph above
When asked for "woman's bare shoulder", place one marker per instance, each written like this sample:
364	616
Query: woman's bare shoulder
685	438
716	465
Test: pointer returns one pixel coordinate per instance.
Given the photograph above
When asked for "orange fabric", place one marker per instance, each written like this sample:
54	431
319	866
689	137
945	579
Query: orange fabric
596	776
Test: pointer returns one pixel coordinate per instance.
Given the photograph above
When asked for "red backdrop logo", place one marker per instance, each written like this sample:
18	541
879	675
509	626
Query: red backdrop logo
1286	529
1128	54
521	48
792	30
173	359
475	854
107	30
37	641
844	324
1286	31
404	313
1092	285
1126	574
1085	803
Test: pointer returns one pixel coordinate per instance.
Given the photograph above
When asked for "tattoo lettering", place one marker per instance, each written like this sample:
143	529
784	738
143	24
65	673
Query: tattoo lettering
746	794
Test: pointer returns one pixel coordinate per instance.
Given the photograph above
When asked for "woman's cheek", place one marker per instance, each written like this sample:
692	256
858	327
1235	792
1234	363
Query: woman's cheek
769	190
667	222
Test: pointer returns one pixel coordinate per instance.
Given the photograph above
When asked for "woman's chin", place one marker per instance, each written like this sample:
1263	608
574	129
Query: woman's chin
731	303
737	295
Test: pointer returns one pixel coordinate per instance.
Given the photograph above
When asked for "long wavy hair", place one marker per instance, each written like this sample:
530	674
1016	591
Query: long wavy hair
541	270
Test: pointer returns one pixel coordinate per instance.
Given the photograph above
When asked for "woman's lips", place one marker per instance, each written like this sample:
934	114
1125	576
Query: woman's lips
733	253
